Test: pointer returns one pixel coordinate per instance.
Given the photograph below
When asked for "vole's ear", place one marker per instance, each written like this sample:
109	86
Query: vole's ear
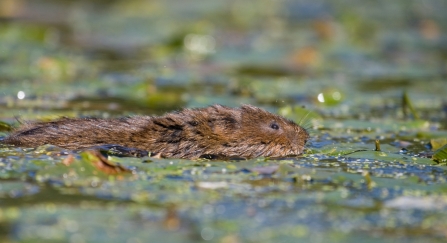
237	116
249	107
252	111
226	117
231	118
220	108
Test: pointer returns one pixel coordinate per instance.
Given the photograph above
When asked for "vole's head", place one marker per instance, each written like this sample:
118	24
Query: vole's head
251	132
270	135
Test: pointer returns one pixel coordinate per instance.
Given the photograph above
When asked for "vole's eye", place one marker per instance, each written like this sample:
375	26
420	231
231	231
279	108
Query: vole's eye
274	126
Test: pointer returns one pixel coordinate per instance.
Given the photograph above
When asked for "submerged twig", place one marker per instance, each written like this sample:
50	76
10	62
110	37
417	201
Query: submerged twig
377	143
406	103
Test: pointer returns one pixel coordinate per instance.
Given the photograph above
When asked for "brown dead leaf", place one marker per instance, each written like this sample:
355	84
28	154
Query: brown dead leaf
306	57
69	160
103	164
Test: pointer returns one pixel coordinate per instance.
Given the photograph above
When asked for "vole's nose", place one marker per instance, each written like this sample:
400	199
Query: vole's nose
294	139
298	139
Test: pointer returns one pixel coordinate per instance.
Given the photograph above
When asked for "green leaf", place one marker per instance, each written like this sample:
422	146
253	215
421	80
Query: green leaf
440	156
437	143
5	127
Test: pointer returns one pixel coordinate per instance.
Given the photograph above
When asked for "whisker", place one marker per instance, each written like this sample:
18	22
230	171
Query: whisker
304	117
19	120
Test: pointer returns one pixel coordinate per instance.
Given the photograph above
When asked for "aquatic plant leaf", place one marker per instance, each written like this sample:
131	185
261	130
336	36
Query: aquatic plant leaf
440	156
5	127
91	168
437	143
431	134
388	157
340	149
387	125
406	103
133	58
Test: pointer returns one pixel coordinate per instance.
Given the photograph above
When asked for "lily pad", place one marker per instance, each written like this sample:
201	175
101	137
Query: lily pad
440	156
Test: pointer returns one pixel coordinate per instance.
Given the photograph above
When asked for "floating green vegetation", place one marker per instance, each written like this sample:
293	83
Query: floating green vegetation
366	80
440	155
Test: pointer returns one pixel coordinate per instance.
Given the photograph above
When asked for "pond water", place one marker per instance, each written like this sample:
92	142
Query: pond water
351	72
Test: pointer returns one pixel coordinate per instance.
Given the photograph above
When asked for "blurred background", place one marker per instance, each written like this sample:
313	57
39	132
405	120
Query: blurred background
363	70
344	59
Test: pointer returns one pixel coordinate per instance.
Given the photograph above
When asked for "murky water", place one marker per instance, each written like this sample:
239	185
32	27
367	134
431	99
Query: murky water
350	65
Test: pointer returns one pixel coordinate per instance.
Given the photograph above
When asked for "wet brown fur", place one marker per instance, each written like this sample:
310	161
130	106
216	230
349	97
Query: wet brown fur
245	132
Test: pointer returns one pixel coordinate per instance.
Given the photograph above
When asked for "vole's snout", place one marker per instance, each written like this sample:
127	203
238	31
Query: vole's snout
295	138
299	141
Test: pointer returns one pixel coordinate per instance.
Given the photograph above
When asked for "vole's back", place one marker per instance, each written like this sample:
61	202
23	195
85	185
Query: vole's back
81	133
246	132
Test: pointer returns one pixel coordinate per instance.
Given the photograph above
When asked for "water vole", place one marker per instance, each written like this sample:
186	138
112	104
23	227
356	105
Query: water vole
216	130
